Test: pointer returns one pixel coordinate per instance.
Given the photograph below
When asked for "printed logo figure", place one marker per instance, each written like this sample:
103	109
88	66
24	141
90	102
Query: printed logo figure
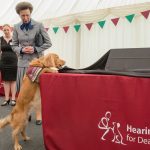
104	124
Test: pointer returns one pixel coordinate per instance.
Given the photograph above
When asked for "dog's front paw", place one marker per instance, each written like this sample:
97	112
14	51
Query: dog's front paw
50	70
53	71
17	147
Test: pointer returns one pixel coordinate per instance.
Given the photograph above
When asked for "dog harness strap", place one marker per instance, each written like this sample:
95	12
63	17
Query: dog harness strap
33	73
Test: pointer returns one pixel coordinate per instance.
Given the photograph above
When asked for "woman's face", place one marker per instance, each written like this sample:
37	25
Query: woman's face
7	31
25	15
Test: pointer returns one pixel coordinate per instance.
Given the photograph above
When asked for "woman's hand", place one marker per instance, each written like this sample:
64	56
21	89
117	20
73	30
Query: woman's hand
28	50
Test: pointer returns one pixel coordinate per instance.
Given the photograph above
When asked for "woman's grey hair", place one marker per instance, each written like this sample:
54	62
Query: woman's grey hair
22	6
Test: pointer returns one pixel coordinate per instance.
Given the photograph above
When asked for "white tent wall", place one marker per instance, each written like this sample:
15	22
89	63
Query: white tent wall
98	41
81	49
66	45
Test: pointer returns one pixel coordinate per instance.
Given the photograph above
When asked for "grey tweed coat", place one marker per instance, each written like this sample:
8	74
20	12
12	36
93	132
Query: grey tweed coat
22	38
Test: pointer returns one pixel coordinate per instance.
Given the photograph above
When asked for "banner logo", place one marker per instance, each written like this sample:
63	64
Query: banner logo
104	124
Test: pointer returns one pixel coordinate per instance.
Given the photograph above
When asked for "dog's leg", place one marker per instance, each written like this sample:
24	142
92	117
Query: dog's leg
17	146
23	133
37	104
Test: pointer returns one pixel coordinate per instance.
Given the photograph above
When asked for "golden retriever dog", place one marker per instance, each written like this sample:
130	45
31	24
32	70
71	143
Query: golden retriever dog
29	93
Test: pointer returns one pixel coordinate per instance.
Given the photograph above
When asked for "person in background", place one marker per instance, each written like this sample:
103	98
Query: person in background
24	43
8	66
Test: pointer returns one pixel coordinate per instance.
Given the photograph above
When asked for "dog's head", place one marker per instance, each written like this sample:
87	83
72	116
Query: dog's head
48	61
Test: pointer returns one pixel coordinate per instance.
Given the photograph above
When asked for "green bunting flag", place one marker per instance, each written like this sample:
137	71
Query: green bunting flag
101	23
55	29
77	27
130	17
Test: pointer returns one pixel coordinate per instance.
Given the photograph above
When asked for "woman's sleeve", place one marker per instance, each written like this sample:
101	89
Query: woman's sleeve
46	40
0	48
15	42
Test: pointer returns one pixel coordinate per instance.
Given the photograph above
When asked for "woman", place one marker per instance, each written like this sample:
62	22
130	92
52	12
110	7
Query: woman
24	43
8	66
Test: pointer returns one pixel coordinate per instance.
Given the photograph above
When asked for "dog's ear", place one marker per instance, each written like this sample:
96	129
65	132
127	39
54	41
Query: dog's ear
49	61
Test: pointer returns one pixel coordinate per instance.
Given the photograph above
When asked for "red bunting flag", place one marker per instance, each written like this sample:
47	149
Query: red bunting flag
115	21
66	29
46	29
1	27
145	13
89	25
12	28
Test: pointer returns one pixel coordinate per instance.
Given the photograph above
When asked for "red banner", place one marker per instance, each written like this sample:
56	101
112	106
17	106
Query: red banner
93	112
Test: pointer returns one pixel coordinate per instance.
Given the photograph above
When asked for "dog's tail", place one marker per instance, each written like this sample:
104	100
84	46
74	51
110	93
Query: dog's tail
5	121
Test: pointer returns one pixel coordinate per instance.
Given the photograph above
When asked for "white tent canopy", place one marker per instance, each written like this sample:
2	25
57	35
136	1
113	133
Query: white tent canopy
81	49
47	9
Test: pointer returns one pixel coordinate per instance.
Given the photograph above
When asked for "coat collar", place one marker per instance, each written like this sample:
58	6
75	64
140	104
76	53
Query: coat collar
33	22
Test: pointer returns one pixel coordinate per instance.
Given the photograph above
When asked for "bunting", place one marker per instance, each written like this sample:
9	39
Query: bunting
47	29
101	23
66	29
130	17
145	13
115	21
55	29
89	25
77	27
